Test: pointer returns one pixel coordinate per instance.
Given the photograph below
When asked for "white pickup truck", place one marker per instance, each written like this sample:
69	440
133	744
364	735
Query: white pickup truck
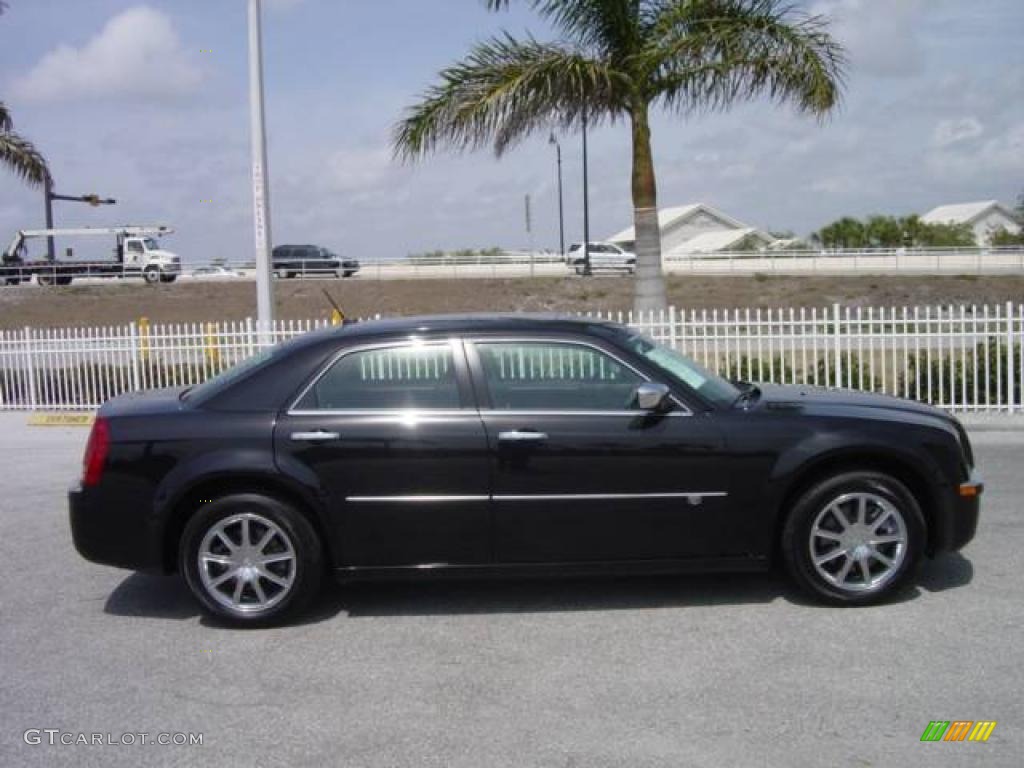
137	253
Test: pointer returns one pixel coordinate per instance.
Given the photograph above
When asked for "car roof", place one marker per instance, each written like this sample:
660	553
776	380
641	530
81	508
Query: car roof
519	322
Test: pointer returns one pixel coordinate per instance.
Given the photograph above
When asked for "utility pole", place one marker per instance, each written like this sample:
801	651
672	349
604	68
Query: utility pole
561	213
586	202
529	232
260	177
92	199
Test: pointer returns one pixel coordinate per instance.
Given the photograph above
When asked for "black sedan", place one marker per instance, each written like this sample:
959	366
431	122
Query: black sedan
510	445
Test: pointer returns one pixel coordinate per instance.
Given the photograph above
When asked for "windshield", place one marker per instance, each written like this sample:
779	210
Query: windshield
151	244
707	384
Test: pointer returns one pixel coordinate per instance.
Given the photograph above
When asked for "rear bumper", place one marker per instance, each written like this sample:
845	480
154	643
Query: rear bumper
111	538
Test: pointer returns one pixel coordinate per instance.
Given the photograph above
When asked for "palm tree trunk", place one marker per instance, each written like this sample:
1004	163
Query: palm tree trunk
649	291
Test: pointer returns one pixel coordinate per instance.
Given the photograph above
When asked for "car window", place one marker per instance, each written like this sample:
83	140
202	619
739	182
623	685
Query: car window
416	376
555	376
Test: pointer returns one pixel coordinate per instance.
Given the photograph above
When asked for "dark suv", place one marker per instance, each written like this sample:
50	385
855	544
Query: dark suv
310	260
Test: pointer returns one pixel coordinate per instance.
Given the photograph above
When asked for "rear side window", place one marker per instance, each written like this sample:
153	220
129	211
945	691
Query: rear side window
415	376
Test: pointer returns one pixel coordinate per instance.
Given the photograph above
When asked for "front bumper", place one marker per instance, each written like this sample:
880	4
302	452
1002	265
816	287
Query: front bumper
965	508
102	535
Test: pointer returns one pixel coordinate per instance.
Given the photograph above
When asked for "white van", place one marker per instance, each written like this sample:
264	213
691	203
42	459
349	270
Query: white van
603	256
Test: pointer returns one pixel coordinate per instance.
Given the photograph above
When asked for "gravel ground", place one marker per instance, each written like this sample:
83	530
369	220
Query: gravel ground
724	670
191	301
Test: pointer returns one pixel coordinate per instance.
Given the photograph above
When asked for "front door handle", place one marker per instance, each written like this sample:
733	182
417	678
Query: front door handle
319	436
520	437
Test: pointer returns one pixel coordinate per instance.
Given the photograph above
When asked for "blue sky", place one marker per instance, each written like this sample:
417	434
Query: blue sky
147	102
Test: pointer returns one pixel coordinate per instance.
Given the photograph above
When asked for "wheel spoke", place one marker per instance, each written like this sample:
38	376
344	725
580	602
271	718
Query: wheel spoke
886	540
822	533
881	519
258	588
226	540
845	570
840	516
246	539
865	572
273	577
236	597
885	560
279	558
209	557
829	556
862	509
233	573
265	540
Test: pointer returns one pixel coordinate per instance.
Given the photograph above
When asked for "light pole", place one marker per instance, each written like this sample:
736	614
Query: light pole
260	176
93	200
561	214
586	202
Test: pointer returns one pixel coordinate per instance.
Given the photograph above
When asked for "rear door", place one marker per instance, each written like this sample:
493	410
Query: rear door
392	436
579	473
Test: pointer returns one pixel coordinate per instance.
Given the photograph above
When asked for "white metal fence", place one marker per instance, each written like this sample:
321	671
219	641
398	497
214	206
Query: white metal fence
960	358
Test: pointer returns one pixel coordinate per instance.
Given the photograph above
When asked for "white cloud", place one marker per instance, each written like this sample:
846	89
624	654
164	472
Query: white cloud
952	131
136	55
882	38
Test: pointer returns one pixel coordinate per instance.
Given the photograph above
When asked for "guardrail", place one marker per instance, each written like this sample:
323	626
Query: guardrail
959	358
516	264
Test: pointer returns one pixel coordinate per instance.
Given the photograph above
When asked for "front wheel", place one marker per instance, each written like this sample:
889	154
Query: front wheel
251	558
854	538
151	275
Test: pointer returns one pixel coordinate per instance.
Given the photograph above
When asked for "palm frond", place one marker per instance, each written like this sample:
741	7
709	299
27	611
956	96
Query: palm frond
6	124
708	54
21	156
608	27
505	89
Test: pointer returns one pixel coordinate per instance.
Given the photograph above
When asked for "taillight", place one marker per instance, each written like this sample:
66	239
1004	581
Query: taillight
96	451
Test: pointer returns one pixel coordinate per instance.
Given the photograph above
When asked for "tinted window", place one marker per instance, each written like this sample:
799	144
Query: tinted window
552	376
414	376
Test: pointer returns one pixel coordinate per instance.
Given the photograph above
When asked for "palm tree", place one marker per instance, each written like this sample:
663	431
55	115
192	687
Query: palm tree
617	59
17	152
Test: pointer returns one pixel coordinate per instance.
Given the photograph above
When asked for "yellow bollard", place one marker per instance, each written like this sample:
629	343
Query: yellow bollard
212	345
144	338
337	318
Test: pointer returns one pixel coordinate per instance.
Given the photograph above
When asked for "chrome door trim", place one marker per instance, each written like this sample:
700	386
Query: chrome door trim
424	498
475	338
609	496
442	498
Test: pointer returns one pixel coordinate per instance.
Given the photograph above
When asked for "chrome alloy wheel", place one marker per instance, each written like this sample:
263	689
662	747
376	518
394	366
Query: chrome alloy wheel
858	541
247	563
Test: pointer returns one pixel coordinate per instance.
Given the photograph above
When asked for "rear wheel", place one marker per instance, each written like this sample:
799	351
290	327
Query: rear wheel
64	279
854	538
165	278
251	558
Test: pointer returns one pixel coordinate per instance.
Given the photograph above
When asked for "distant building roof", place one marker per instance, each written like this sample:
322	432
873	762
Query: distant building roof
667	217
722	240
964	213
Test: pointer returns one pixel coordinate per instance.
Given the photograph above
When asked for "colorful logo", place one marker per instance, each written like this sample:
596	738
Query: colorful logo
958	730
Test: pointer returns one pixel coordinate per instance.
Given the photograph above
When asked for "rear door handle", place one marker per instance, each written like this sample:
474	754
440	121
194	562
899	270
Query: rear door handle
522	436
319	436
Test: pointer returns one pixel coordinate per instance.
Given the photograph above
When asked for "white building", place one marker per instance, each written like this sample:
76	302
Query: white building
985	218
695	229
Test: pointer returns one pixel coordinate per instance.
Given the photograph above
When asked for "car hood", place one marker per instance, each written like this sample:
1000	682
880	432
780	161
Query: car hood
795	396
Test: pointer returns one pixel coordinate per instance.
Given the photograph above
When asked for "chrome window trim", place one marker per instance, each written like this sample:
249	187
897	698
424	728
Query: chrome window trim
395	414
414	499
474	339
452	342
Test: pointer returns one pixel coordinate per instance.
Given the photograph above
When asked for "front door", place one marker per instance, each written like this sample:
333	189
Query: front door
392	437
580	474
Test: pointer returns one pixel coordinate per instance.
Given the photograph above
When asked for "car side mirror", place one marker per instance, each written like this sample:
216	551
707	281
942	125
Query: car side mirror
652	396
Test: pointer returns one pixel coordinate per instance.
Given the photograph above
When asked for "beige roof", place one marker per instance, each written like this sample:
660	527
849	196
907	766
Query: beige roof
962	213
668	216
708	242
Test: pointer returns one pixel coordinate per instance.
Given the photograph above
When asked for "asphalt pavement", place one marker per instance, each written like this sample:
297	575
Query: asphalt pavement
674	671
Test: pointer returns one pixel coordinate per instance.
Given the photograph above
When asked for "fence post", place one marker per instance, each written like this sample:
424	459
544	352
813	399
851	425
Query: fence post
133	333
837	344
30	369
1010	401
673	335
250	343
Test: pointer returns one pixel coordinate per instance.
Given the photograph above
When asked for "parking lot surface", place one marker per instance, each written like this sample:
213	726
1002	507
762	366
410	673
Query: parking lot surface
675	671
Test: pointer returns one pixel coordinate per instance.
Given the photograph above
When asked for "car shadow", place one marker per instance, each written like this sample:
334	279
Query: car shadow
167	597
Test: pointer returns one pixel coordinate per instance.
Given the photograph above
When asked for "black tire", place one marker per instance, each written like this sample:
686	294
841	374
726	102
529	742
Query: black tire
348	273
151	275
305	568
292	275
12	281
45	279
64	280
884	495
168	278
